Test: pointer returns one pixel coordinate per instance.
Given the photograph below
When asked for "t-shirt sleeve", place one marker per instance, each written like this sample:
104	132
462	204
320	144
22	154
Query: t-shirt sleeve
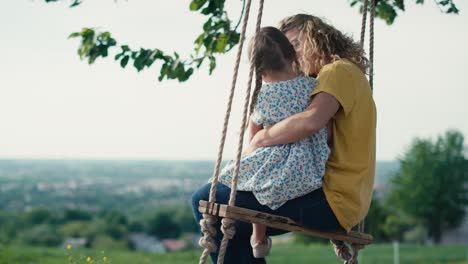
259	113
256	116
335	80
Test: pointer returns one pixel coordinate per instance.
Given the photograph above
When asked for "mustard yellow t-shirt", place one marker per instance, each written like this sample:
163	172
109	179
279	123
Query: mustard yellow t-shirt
350	170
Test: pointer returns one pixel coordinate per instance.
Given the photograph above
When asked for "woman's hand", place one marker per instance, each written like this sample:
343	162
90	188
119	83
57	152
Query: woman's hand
254	143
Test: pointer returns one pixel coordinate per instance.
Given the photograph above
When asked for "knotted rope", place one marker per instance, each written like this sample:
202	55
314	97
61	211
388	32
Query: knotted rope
342	250
228	227
363	24
208	220
371	44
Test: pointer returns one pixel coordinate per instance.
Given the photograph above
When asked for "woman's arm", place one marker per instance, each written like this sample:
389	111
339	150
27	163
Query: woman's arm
253	129
299	126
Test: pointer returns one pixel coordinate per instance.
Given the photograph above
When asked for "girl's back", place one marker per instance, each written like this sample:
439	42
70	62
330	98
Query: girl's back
279	100
280	173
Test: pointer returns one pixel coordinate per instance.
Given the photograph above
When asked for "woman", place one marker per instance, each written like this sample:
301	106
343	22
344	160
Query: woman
342	96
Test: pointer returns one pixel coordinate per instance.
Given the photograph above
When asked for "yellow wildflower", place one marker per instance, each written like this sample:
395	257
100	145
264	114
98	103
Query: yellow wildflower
89	259
104	259
69	246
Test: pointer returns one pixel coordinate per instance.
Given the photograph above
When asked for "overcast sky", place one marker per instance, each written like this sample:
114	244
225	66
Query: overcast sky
52	105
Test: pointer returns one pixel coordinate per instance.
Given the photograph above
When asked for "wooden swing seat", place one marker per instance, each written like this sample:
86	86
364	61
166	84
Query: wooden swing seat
278	222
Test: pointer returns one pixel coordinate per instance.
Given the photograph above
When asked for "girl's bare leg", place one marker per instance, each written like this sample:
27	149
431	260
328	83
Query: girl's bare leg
259	232
261	244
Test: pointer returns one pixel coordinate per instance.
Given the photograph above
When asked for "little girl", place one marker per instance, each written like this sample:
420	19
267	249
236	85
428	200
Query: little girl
277	174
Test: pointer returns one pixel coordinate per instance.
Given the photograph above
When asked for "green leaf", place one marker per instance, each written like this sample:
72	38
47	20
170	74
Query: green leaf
221	43
124	61
74	35
234	38
112	42
163	71
208	42
400	4
212	64
117	57
453	10
105	35
187	75
104	52
207	25
197	4
200	62
194	6
199	42
219	4
156	54
142	59
75	3
444	2
87	32
207	10
125	48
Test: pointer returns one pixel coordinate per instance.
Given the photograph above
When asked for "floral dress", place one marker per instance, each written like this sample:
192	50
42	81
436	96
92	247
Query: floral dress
276	174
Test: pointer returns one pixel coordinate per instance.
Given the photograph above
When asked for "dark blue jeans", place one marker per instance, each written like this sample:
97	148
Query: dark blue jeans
311	210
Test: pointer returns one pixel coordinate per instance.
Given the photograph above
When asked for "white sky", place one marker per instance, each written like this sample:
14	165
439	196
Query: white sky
52	105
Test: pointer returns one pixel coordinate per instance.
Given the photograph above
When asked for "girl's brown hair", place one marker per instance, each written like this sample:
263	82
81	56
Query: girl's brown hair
270	50
322	43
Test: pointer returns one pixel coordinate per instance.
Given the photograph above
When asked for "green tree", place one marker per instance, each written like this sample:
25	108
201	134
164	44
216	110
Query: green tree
163	225
40	235
116	224
9	226
375	220
80	229
183	217
219	35
395	225
38	216
76	215
431	184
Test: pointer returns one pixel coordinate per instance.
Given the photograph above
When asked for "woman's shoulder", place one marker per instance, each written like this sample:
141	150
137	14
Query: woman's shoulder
341	66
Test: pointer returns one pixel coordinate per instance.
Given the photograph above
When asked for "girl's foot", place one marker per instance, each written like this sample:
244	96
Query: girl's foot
261	249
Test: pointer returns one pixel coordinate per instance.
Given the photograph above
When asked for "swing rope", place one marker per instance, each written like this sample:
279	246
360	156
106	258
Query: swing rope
361	226
371	44
363	24
208	220
341	249
227	224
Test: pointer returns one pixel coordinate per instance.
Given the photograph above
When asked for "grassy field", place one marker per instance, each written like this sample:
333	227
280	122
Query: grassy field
284	253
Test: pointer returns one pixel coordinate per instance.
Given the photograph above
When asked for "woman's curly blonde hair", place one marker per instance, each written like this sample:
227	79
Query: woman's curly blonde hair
322	43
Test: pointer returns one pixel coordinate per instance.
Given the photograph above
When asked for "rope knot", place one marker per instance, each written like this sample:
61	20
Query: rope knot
341	250
228	228
209	232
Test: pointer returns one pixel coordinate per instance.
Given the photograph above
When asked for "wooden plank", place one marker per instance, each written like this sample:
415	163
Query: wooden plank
267	220
279	222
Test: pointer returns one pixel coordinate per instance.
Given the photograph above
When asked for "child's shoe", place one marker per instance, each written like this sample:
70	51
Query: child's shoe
261	249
